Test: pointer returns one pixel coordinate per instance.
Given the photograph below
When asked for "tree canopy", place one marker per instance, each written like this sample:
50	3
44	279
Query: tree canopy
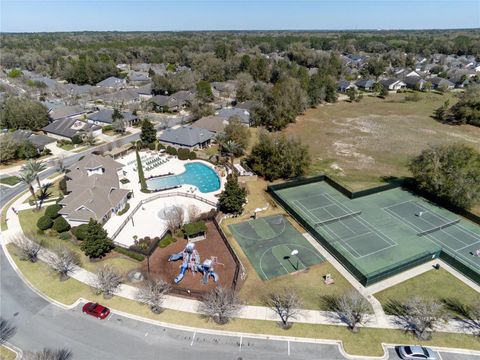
276	156
149	133
233	198
451	172
23	113
96	243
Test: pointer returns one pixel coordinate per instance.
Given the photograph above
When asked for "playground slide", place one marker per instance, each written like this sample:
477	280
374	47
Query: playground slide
175	257
181	275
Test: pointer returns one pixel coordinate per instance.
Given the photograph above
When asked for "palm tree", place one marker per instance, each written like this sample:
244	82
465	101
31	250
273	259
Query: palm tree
35	167
27	177
230	148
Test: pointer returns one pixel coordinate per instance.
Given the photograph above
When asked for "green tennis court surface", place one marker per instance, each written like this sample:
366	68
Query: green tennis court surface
269	242
378	235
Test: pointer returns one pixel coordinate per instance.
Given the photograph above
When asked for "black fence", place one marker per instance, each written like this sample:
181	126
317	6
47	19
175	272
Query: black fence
381	274
232	253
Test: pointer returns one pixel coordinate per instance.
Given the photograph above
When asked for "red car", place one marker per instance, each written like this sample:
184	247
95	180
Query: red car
97	310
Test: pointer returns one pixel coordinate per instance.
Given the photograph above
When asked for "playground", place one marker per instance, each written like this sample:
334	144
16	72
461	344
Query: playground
211	246
274	247
378	235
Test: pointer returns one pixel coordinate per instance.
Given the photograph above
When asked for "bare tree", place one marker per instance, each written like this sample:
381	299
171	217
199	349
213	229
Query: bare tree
29	247
7	330
193	212
352	308
63	261
153	294
418	315
174	217
220	305
49	354
286	304
107	281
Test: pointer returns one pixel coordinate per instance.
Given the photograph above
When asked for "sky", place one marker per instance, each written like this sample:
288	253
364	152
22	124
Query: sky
159	15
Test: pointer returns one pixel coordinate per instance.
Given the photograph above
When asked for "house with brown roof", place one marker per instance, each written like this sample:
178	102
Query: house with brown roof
213	123
93	190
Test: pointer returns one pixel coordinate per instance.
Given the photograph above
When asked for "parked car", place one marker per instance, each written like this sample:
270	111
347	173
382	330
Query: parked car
97	310
416	352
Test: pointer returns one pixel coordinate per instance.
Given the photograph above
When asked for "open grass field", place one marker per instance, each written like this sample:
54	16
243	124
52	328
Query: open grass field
28	221
366	342
434	284
359	143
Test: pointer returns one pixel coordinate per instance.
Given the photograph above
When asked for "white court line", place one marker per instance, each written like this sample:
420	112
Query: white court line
193	338
429	236
366	223
288	347
240	347
400	203
380	250
466	246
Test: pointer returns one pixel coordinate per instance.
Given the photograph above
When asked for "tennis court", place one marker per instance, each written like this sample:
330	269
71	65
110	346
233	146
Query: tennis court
274	247
378	235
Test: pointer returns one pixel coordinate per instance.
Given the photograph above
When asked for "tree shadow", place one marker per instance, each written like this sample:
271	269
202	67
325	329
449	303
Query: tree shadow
44	193
465	315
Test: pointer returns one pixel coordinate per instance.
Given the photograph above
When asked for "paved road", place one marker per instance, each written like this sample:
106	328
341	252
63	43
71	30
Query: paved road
41	324
6	194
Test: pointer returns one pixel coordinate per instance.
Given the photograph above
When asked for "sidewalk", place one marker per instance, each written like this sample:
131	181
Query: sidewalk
378	320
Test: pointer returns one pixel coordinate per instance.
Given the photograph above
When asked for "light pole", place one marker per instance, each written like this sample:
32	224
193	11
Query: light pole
295	253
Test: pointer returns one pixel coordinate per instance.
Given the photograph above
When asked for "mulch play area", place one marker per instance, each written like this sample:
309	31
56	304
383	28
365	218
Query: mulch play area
213	245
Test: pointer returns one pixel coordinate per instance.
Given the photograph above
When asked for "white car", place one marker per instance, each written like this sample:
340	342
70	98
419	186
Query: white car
416	352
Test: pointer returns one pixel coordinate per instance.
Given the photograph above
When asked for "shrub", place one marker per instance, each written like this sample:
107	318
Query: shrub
129	253
77	139
107	128
52	211
192	155
183	153
61	225
167	240
151	146
62	185
124	210
161	146
44	223
171	150
64	236
80	231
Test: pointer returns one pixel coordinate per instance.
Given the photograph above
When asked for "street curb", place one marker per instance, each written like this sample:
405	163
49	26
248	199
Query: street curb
13	348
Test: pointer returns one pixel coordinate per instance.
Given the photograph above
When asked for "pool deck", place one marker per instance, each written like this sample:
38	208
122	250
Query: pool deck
146	221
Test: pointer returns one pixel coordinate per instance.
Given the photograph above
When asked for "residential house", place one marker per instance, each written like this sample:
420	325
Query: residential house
93	190
412	73
174	102
67	128
40	142
104	117
112	82
224	89
414	82
344	85
120	98
365	84
64	111
393	84
138	78
144	92
242	114
187	136
441	83
215	124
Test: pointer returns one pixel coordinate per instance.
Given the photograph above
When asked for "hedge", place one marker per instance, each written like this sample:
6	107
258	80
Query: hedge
141	175
61	225
44	223
129	253
192	155
52	211
124	210
64	236
171	150
107	128
183	154
167	240
194	228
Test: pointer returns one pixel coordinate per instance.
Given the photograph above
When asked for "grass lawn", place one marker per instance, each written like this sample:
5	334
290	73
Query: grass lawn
28	221
362	142
9	180
67	147
3	222
52	192
7	354
434	284
367	342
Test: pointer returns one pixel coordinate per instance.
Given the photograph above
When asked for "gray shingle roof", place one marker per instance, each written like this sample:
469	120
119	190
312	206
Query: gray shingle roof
111	82
243	114
60	112
187	136
38	141
105	116
69	127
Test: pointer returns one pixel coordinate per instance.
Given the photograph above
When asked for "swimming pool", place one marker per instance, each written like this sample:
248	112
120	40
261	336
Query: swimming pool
196	174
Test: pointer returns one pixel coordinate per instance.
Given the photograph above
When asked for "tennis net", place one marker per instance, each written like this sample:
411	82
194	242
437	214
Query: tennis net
429	231
338	218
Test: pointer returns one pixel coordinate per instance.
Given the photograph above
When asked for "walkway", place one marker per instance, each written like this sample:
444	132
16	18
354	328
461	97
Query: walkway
378	320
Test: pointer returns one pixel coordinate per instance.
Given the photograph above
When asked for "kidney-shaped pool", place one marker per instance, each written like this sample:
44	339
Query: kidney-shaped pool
196	174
